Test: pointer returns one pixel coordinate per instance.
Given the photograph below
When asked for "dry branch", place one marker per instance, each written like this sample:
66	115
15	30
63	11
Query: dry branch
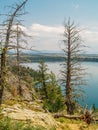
87	117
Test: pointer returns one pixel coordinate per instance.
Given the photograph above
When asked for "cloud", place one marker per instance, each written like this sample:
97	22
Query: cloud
48	37
90	37
47	29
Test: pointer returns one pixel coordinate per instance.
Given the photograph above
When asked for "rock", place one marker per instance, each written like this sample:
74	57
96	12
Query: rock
10	91
17	112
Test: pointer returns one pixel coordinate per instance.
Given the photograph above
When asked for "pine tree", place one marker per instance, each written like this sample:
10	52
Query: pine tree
43	77
55	101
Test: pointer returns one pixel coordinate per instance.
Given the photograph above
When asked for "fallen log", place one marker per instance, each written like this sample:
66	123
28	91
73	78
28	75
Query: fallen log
67	116
86	117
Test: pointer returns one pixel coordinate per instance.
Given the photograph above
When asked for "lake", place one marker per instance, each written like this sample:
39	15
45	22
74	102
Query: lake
91	89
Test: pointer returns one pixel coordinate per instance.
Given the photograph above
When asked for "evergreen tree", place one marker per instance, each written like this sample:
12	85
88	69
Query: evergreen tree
55	101
50	90
43	78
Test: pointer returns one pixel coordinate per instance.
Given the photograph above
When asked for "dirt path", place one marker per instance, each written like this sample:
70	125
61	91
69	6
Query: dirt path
74	126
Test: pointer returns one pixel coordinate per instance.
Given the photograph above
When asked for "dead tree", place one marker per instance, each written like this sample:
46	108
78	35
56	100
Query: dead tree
72	72
20	39
87	117
18	61
9	24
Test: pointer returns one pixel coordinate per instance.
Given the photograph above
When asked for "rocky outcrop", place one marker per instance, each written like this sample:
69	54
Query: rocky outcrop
38	118
11	92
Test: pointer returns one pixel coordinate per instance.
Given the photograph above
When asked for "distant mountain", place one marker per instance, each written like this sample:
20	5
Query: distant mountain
50	56
35	52
43	51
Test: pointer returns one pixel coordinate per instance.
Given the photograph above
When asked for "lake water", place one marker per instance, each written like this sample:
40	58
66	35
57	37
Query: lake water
91	89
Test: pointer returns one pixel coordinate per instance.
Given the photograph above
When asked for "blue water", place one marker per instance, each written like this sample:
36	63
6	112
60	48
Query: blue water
91	89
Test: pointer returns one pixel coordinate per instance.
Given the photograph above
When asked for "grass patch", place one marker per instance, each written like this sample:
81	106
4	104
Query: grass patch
8	124
63	120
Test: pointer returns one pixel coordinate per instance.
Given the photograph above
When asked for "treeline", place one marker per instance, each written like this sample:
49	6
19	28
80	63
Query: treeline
51	58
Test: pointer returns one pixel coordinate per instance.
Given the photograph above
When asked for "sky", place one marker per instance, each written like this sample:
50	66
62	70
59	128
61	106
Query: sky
45	21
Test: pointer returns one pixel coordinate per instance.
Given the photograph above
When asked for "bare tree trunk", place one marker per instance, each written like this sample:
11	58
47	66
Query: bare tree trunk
70	106
18	63
72	75
87	117
5	49
2	77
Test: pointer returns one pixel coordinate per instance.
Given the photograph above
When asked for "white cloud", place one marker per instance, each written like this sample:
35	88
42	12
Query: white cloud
47	29
47	37
90	38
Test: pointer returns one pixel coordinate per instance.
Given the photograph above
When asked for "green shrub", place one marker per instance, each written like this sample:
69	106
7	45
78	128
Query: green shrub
5	124
8	124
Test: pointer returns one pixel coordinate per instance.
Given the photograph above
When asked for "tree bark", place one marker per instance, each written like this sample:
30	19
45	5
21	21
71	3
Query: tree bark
2	76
